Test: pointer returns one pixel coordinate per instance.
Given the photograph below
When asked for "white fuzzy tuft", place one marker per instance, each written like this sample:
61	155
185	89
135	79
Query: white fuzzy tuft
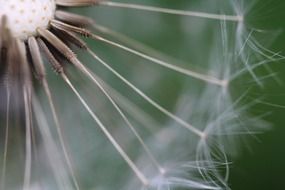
25	16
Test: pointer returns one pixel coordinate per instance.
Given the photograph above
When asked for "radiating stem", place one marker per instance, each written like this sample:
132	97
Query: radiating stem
5	153
138	173
28	162
184	71
148	99
235	18
95	79
59	132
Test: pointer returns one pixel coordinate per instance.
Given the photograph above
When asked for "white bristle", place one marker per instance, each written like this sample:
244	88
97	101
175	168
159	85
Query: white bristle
25	16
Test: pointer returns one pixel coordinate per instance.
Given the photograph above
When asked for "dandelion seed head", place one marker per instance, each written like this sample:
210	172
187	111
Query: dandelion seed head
26	16
152	145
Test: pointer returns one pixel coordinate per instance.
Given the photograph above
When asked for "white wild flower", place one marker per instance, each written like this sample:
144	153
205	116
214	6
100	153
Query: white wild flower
107	122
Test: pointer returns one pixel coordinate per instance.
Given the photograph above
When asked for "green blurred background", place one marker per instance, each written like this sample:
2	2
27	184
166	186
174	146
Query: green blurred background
261	165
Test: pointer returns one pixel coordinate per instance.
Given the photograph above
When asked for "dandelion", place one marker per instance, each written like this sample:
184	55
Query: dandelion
189	150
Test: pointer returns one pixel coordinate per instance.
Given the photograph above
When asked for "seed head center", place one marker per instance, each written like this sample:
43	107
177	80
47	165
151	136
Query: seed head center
25	16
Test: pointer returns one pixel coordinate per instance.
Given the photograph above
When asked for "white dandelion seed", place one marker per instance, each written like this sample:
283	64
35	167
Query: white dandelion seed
90	129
